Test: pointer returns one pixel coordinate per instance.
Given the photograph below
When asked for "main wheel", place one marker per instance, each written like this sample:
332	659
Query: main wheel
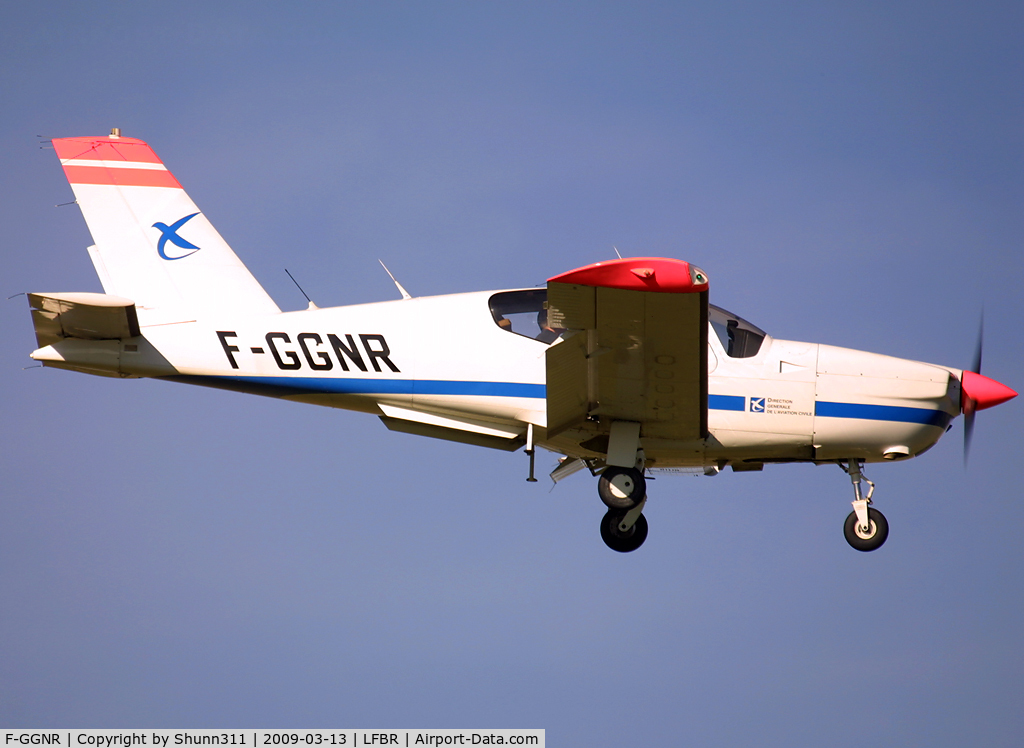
878	531
623	542
621	488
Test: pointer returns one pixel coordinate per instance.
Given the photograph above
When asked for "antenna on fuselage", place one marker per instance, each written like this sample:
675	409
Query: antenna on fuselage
617	251
405	294
311	304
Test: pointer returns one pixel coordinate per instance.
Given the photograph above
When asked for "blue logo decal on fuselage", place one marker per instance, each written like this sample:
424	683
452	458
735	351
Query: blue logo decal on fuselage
171	233
757	405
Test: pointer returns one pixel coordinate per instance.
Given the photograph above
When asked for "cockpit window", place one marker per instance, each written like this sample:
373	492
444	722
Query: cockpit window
740	339
523	313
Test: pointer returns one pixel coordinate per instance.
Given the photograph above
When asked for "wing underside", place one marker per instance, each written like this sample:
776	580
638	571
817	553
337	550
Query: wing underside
635	350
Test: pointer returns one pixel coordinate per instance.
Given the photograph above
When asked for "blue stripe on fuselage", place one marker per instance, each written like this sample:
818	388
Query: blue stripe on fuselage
353	386
897	413
727	402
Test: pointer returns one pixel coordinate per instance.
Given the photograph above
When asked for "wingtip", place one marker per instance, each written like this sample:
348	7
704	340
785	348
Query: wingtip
657	274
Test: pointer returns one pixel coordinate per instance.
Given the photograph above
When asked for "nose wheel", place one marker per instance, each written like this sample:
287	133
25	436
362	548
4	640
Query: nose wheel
865	528
866	538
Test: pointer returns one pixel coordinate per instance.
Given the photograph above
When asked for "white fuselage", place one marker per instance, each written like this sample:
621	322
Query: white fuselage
445	357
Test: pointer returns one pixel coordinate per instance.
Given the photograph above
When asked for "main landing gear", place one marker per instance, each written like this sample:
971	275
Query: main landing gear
624	492
623	489
624	531
866	528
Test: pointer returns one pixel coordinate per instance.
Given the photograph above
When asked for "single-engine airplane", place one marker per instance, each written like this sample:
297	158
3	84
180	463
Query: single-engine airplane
621	366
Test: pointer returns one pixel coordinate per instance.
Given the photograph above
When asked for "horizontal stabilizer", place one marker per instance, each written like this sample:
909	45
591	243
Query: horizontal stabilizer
86	316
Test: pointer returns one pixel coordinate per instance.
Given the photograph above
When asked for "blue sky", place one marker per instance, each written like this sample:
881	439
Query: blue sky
846	174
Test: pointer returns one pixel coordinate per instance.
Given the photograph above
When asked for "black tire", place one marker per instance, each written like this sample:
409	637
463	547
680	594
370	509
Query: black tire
623	542
874	541
621	488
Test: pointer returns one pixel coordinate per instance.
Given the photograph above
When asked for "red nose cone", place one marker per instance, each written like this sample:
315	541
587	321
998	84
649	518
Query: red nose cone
985	392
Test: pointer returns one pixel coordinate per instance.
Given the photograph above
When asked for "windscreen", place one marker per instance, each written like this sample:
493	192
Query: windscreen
739	338
524	313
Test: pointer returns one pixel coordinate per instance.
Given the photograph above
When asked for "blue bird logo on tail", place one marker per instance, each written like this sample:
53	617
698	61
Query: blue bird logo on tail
171	232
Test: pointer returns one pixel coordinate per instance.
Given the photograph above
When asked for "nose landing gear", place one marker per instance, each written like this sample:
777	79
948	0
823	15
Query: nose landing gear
865	528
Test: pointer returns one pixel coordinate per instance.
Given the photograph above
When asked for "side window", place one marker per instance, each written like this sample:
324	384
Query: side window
739	338
524	313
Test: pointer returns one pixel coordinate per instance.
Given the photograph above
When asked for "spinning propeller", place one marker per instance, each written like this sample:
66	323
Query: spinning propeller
978	392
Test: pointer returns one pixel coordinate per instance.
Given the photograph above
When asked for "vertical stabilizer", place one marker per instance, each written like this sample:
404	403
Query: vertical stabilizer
152	244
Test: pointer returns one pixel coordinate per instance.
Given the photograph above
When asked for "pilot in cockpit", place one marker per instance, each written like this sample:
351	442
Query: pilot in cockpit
547	333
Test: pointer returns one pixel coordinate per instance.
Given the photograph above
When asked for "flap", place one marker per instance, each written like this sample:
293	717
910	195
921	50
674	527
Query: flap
87	316
456	429
636	349
448	421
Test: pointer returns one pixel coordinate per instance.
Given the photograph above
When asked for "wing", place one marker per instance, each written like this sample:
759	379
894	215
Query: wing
635	349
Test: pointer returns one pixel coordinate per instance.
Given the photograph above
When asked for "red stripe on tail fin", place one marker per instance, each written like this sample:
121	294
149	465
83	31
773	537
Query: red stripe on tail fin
120	177
105	149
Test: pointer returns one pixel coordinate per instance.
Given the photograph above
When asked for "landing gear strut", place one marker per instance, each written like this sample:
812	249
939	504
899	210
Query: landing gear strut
865	528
